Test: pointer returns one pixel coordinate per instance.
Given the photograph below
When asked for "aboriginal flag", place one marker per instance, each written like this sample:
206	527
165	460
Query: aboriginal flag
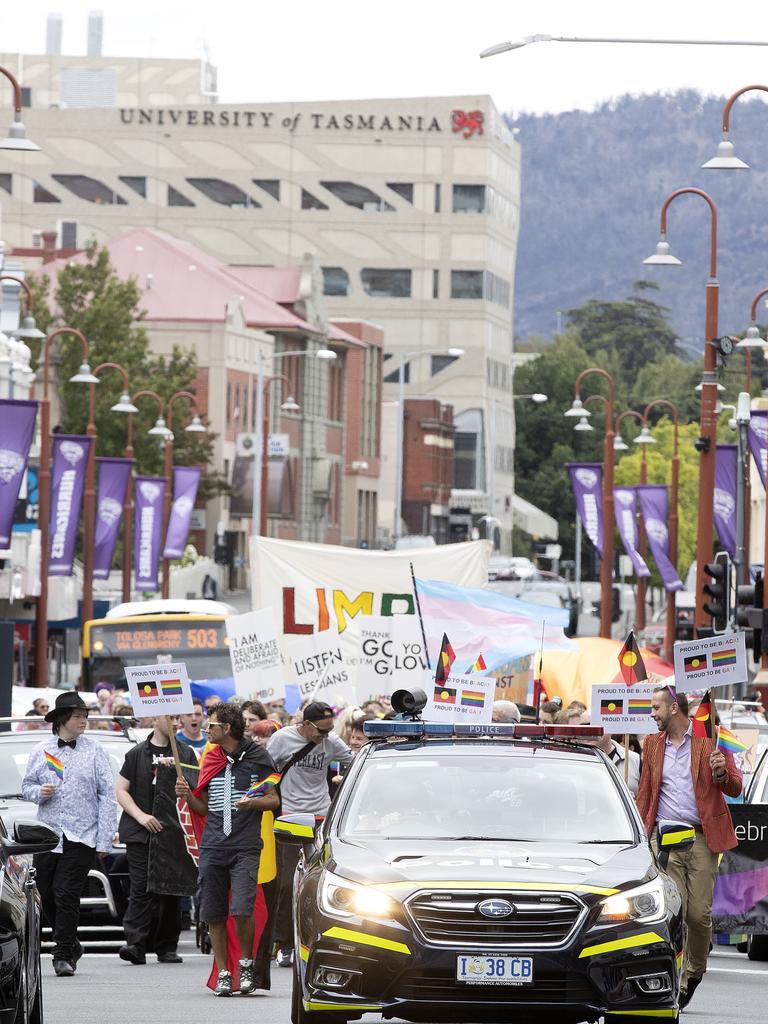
444	694
695	663
445	660
702	720
612	707
630	661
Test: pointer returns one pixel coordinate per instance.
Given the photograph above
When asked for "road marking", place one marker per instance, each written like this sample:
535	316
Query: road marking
737	970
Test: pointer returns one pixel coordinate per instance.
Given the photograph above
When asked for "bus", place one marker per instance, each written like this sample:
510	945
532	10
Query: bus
146	632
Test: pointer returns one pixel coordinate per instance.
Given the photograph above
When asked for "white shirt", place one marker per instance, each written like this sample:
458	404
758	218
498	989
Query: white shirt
633	779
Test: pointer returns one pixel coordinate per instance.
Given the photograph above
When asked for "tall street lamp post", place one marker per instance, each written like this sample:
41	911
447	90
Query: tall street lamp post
578	409
707	442
83	376
14	353
618	445
497	48
726	159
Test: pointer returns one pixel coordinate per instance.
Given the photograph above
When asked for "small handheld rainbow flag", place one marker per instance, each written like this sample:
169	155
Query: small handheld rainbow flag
730	743
478	665
262	788
54	765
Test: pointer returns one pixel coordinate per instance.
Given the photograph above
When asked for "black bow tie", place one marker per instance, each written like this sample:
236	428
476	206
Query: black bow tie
67	743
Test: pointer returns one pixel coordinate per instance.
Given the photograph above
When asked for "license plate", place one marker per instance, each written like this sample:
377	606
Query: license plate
495	970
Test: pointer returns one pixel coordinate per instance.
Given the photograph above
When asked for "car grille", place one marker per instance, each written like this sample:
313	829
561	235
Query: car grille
451	918
442	985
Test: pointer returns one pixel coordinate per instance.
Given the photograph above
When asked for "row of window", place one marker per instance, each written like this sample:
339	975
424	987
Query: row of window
386	283
437	364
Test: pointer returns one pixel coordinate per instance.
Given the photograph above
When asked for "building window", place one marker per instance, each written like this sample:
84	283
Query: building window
26	96
497	290
42	195
229	402
437	198
335	281
466	284
369	432
335	392
386	284
6	183
435	284
68	234
139	185
310	202
359	196
468	451
175	198
469	198
223	192
270	186
440	362
403	189
89	189
394	376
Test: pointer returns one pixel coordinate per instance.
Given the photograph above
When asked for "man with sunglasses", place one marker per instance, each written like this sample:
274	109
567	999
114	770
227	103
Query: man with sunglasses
303	789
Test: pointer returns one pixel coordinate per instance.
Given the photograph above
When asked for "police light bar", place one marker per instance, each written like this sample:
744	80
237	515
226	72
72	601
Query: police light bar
411	730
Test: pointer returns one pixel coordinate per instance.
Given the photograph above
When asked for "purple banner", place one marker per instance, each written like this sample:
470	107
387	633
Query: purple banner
17	425
653	508
185	481
70	460
726	459
148	530
625	506
587	482
114	476
758	441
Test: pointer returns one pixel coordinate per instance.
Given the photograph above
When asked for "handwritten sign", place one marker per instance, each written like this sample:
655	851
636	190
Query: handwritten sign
159	689
318	665
255	655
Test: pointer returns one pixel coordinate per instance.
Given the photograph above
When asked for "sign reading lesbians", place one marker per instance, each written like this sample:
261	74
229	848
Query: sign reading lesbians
159	689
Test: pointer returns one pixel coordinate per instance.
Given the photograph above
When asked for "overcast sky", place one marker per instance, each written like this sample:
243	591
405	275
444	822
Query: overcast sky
274	50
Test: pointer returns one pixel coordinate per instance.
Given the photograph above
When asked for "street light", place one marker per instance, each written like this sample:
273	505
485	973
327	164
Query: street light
726	159
456	353
505	47
606	555
707	419
289	405
15	355
16	138
643	438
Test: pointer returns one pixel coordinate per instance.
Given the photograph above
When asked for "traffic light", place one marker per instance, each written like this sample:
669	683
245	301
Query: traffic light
752	616
719	589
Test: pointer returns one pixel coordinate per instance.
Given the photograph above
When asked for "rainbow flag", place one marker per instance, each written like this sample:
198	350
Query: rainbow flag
473	698
262	788
54	765
148	690
725	657
639	706
478	665
729	743
171	687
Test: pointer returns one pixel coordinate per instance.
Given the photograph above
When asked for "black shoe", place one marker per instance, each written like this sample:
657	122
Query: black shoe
169	958
132	954
693	984
78	951
186	921
63	968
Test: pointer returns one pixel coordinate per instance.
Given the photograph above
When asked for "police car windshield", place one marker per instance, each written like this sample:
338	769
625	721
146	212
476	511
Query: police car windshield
486	796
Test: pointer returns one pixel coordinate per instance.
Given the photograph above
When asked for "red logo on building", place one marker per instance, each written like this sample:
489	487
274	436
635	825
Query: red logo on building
468	122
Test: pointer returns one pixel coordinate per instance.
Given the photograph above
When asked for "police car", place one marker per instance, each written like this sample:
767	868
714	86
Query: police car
482	873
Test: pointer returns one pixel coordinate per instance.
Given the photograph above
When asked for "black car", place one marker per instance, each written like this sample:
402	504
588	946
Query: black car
21	987
482	873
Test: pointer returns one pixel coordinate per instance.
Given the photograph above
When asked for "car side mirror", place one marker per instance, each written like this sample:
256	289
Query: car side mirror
295	829
31	837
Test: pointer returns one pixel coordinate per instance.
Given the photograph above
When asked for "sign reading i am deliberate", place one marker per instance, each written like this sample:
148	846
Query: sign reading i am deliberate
623	709
714	661
255	655
159	689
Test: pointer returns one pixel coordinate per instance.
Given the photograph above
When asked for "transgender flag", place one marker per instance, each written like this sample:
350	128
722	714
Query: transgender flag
503	628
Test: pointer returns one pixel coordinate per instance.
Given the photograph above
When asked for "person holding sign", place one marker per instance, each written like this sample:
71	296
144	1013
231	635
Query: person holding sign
160	869
70	777
230	844
685	778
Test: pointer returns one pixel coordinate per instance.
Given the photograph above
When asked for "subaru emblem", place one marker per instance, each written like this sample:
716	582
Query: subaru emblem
495	908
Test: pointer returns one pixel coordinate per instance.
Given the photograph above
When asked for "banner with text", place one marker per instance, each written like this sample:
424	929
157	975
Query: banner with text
185	483
715	661
758	441
114	478
740	899
587	484
726	464
159	689
70	460
391	655
147	530
317	665
255	654
625	505
17	427
462	699
623	709
653	508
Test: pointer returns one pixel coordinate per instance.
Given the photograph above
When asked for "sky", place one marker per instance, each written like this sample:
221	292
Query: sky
272	51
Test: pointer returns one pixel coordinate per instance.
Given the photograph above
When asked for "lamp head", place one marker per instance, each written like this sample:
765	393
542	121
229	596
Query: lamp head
619	445
290	405
455	352
726	159
159	429
17	140
124	405
578	410
751	339
583	424
28	329
538	399
196	426
645	436
701	384
662	257
325	353
84	376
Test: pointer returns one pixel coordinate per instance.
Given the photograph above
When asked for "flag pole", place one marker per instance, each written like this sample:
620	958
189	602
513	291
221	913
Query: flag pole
421	620
537	689
626	758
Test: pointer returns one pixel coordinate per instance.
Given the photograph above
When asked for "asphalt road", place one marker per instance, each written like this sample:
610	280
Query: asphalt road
105	988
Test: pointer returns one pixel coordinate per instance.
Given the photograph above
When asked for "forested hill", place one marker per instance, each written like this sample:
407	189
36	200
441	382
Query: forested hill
592	189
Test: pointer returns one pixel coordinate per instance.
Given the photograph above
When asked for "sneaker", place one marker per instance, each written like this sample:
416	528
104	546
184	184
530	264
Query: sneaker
63	968
285	958
223	984
693	983
247	981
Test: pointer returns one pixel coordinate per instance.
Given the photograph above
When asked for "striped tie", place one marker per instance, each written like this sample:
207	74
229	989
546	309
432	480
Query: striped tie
227	812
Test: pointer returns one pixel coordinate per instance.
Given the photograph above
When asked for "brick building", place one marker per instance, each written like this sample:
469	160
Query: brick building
428	443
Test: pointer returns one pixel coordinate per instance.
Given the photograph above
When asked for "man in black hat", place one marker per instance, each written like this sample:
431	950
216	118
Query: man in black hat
303	753
70	777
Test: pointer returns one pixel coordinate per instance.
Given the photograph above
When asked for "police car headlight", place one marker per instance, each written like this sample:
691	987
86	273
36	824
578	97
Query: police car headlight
645	903
341	898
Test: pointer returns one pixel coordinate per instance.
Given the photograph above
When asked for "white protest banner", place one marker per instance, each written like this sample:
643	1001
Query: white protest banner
374	664
255	655
409	662
623	709
318	667
714	661
159	689
467	700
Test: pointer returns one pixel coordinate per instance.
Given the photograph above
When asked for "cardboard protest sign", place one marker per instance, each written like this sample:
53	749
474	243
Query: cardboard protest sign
714	661
391	655
159	689
623	709
255	655
319	668
467	700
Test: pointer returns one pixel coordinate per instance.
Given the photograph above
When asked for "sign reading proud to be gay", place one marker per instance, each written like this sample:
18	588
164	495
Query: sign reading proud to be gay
159	689
714	661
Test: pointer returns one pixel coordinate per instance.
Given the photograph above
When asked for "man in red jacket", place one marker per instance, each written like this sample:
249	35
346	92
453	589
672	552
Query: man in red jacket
684	778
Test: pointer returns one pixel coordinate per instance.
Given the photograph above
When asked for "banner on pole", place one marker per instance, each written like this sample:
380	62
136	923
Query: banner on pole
185	483
714	661
726	459
758	441
625	503
148	526
654	510
159	689
623	709
740	899
114	477
464	699
69	463
17	427
587	484
255	655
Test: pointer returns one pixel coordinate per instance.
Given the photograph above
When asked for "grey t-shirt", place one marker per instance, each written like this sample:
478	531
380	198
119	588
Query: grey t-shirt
305	788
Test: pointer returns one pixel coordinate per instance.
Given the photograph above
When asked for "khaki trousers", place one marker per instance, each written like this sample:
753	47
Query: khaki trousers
693	871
